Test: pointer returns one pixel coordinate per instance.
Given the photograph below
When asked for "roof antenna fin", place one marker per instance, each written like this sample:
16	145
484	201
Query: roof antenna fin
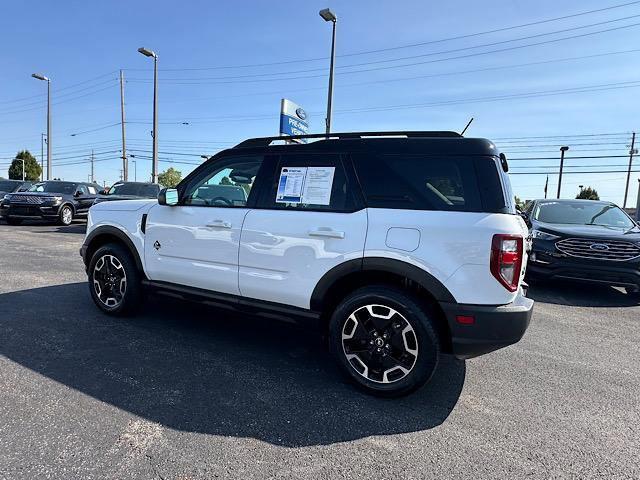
465	128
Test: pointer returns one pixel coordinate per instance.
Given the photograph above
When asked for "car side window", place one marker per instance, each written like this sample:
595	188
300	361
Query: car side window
92	190
227	183
83	189
309	182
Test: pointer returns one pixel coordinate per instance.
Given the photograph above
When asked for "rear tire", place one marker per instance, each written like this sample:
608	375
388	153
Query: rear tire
384	340
65	216
114	280
13	221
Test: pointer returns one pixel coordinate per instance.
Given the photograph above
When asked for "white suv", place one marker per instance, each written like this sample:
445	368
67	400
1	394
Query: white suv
402	245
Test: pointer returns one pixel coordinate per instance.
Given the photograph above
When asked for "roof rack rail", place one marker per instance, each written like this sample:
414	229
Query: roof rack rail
266	141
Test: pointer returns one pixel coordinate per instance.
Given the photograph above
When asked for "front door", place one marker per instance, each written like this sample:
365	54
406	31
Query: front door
195	243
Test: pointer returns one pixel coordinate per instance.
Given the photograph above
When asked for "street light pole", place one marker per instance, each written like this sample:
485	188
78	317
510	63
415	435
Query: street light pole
43	78
329	16
125	165
154	168
41	156
562	150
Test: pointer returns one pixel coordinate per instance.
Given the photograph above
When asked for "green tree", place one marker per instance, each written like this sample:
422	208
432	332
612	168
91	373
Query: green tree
170	178
588	194
32	169
520	204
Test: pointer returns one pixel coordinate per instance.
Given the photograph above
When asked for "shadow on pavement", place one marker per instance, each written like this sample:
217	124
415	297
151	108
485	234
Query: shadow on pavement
579	294
197	369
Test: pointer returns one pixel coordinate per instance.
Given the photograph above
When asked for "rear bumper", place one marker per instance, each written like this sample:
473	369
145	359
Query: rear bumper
494	327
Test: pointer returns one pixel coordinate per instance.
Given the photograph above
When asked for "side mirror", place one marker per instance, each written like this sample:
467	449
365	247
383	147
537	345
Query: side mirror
168	196
77	194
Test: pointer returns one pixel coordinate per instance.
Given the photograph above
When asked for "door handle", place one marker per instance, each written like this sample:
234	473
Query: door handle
326	232
218	224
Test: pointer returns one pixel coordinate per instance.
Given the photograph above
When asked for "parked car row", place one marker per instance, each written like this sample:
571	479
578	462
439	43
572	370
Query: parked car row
61	201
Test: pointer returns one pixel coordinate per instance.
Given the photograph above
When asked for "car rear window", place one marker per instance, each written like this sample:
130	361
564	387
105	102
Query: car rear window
423	182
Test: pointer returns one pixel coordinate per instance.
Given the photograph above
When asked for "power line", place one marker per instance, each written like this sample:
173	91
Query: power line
412	45
223	80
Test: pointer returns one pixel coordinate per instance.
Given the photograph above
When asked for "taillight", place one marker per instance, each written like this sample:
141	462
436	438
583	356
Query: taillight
506	260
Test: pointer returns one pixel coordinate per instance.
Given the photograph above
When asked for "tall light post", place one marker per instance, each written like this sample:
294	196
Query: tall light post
562	150
328	16
154	168
45	79
42	140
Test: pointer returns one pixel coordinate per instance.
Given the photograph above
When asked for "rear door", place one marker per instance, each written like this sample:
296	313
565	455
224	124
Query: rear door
307	221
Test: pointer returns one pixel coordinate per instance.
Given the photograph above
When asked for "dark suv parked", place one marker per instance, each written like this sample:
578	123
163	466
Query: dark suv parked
11	186
50	200
129	191
584	240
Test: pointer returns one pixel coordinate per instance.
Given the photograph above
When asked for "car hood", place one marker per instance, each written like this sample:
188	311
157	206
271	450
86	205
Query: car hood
111	198
124	205
39	194
590	231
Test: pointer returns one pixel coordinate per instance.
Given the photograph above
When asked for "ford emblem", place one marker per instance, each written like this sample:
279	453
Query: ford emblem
599	246
302	115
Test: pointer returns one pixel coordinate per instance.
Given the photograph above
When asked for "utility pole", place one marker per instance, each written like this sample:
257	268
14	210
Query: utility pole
562	150
631	152
125	163
92	177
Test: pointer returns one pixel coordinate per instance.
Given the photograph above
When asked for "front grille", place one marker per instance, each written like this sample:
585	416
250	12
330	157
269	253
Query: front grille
595	249
27	199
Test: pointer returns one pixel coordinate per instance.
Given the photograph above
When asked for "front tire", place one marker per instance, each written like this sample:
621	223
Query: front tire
114	280
384	340
65	216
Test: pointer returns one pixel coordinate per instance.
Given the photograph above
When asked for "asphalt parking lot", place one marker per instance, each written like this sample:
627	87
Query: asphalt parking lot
186	392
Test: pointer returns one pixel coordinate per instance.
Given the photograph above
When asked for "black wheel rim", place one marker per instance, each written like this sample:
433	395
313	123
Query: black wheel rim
109	281
379	343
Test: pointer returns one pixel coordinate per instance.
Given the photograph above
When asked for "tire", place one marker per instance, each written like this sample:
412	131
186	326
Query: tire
13	221
109	266
65	215
384	340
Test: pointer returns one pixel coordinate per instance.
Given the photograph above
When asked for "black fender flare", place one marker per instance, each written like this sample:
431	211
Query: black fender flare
381	264
111	231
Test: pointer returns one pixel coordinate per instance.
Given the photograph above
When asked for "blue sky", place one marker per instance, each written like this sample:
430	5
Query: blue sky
224	66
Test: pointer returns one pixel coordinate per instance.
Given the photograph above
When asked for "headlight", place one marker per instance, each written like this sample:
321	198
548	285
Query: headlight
6	198
543	235
56	200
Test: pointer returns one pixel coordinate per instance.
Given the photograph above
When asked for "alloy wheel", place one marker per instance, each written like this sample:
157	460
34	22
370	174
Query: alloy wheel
109	281
380	343
67	215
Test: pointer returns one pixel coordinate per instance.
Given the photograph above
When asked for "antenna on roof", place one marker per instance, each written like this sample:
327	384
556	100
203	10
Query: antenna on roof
465	128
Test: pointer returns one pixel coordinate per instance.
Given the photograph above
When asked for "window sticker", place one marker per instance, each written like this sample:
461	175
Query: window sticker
318	185
308	185
291	184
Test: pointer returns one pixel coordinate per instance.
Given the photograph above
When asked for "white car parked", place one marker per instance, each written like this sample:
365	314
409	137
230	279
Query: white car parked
403	245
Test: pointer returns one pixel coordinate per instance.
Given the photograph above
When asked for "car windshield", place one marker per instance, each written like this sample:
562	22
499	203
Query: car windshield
7	186
67	188
135	189
582	213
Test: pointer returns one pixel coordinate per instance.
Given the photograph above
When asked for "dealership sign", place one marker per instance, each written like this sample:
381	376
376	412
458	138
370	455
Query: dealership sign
293	119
